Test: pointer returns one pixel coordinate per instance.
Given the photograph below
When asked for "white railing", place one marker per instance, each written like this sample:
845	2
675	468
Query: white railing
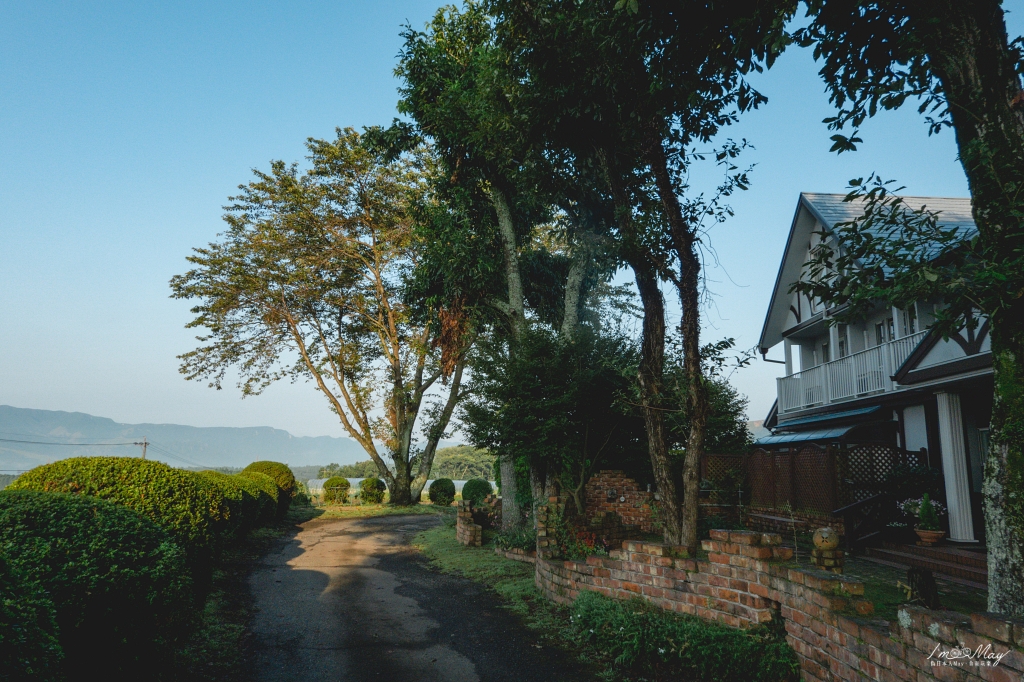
857	375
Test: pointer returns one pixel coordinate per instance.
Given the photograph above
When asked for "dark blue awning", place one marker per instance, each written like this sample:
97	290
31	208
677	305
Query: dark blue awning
832	434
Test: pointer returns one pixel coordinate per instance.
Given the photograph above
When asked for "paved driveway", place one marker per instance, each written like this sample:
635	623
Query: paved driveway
349	599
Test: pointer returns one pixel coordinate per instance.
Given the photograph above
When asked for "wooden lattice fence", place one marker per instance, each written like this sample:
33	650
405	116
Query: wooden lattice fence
821	479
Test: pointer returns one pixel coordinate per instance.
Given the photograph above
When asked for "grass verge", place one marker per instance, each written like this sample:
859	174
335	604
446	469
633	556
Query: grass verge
511	580
564	627
359	511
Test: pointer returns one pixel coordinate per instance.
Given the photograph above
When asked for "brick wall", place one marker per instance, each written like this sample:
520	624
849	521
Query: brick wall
747	579
630	502
466	532
768	520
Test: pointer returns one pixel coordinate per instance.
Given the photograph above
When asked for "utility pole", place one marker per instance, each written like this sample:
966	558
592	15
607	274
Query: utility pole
143	443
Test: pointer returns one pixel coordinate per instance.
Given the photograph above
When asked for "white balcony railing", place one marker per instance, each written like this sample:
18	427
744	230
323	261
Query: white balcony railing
857	375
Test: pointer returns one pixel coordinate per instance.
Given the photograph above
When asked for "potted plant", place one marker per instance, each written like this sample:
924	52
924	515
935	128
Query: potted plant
928	528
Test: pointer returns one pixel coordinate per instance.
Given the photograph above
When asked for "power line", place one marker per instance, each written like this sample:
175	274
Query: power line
39	442
168	453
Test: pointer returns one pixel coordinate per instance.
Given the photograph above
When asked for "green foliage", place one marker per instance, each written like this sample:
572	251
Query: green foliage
462	462
371	490
475	490
119	583
927	518
364	469
524	537
243	506
555	404
283	478
29	648
644	638
185	503
265	490
726	430
442	492
572	542
336	490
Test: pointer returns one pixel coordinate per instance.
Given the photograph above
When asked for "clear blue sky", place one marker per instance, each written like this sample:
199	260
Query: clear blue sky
125	126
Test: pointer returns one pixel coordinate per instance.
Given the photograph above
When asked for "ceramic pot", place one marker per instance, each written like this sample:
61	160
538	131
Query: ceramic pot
929	537
826	538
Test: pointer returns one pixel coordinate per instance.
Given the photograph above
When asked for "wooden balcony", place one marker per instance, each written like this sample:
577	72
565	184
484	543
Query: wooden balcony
858	375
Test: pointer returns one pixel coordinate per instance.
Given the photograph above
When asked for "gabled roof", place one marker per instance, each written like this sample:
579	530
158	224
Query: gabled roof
829	210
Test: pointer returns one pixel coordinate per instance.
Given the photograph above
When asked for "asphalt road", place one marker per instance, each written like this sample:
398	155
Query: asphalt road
350	600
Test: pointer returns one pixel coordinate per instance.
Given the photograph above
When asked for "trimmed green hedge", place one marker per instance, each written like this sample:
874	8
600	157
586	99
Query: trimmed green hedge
119	584
339	496
29	649
371	490
475	490
189	506
648	640
442	492
243	504
283	478
267	491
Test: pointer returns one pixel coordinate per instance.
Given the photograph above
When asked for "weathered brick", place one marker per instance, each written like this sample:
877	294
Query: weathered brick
997	674
756	552
993	625
745	537
782	553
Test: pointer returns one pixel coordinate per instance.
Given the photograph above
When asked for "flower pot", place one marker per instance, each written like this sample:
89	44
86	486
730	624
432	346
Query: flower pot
929	537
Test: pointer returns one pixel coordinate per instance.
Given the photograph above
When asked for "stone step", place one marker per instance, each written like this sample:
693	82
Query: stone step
958	555
949	569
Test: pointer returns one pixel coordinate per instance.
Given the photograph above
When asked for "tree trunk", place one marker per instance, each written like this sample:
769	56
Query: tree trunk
1004	474
688	286
573	287
426	460
650	375
967	47
651	378
511	513
399	493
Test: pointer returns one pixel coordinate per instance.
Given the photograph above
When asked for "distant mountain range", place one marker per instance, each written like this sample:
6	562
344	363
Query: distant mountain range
74	434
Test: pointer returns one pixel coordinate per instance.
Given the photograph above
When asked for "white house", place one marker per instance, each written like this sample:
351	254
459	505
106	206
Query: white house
884	378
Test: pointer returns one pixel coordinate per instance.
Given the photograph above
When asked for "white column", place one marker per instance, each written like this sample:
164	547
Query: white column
954	468
833	341
788	345
897	323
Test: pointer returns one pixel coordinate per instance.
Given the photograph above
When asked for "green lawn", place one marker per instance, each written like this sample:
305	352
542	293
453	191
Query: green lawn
512	580
357	511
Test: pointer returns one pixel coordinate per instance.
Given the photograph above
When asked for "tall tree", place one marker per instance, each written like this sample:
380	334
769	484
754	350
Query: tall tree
307	284
955	58
636	85
462	93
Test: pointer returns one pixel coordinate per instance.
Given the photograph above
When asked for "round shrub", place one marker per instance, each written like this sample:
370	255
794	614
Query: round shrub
267	491
243	505
302	497
118	582
283	478
442	492
336	490
187	505
475	490
371	490
29	649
